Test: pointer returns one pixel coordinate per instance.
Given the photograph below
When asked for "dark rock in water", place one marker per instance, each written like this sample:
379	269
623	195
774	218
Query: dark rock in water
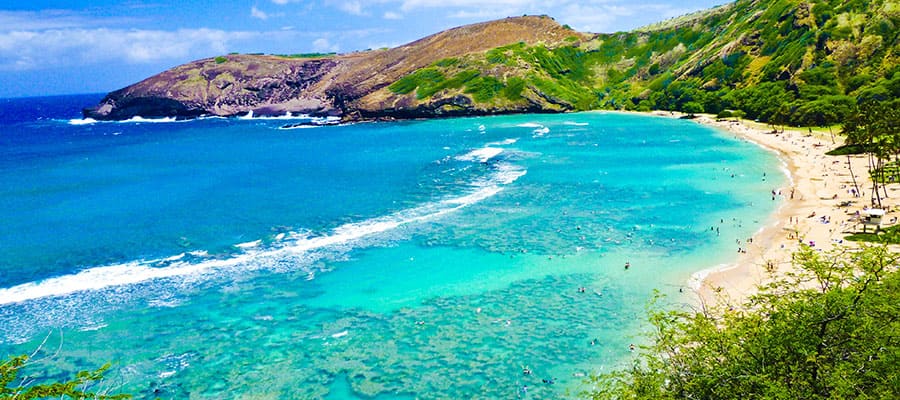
315	121
147	107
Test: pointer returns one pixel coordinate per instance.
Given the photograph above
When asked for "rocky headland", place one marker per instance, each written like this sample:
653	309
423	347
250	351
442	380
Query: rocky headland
352	86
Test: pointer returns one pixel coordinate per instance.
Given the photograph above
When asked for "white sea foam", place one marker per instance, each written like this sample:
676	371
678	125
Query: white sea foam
530	125
299	127
327	120
253	256
286	115
573	123
85	121
502	143
695	282
482	155
90	328
248	245
541	131
132	120
138	118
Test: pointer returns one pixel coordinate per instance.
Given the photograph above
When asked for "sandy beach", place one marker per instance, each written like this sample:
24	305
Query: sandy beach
819	207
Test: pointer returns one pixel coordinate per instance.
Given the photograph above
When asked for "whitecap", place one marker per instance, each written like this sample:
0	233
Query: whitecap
503	142
90	328
139	119
165	374
326	120
573	123
290	127
481	155
248	245
82	121
295	244
530	125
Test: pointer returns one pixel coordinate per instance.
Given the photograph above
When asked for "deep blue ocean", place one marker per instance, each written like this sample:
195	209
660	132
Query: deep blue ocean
230	258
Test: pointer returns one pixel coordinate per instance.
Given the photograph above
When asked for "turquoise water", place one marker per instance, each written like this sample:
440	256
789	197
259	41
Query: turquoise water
424	259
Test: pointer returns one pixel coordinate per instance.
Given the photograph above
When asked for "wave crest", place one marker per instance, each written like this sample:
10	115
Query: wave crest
303	247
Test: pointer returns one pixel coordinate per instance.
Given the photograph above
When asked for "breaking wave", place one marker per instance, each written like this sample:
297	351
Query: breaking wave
297	250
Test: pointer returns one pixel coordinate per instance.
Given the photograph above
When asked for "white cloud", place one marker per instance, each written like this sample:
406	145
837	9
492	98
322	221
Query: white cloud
323	45
408	5
392	15
606	17
257	13
584	15
54	19
24	50
484	14
351	7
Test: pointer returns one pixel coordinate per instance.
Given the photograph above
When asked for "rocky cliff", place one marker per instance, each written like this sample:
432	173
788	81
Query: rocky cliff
803	62
352	86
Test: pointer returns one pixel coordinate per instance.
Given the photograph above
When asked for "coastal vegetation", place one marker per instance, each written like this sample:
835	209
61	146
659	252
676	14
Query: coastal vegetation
82	386
782	62
829	330
803	63
307	55
874	129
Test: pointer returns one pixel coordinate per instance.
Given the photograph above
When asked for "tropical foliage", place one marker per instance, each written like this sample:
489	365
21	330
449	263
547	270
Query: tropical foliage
12	386
874	127
799	62
831	330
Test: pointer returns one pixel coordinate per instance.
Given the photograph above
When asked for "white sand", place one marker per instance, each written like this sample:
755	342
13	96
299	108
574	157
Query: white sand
818	185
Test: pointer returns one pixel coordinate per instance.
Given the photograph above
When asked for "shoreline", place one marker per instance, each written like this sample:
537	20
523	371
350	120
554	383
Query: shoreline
818	208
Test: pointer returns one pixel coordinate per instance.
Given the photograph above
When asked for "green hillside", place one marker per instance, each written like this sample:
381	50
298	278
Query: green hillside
785	61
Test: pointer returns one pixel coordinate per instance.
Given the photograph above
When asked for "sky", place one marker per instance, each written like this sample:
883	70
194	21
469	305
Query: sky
50	47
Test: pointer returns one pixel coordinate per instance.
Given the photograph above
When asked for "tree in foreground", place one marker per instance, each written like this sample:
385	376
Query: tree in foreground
830	330
13	387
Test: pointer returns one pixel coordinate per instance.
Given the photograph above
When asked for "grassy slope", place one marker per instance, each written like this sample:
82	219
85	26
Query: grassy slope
781	59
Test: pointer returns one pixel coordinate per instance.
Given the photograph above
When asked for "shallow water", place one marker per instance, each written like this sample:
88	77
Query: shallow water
426	259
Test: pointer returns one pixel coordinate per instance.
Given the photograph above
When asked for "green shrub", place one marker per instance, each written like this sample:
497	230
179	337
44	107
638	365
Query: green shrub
484	88
826	331
447	62
424	81
83	386
514	88
220	59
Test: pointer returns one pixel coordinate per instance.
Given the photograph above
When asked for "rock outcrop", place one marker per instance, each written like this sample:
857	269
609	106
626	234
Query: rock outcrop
352	86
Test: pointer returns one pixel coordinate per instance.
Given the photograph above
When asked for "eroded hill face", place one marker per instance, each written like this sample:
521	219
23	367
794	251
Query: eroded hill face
333	85
786	61
802	62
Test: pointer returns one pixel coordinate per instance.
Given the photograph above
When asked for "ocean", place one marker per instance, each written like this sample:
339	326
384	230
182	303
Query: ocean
433	259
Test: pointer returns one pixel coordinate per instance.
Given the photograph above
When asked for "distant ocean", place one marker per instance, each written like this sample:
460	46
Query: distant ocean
226	258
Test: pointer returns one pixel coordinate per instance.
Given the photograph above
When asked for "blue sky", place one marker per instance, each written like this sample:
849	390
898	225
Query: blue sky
63	47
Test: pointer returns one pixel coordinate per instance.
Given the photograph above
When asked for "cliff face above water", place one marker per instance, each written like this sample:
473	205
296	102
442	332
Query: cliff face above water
804	62
352	86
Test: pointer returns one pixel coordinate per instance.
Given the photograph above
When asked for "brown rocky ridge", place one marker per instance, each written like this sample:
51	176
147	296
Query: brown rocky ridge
352	86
